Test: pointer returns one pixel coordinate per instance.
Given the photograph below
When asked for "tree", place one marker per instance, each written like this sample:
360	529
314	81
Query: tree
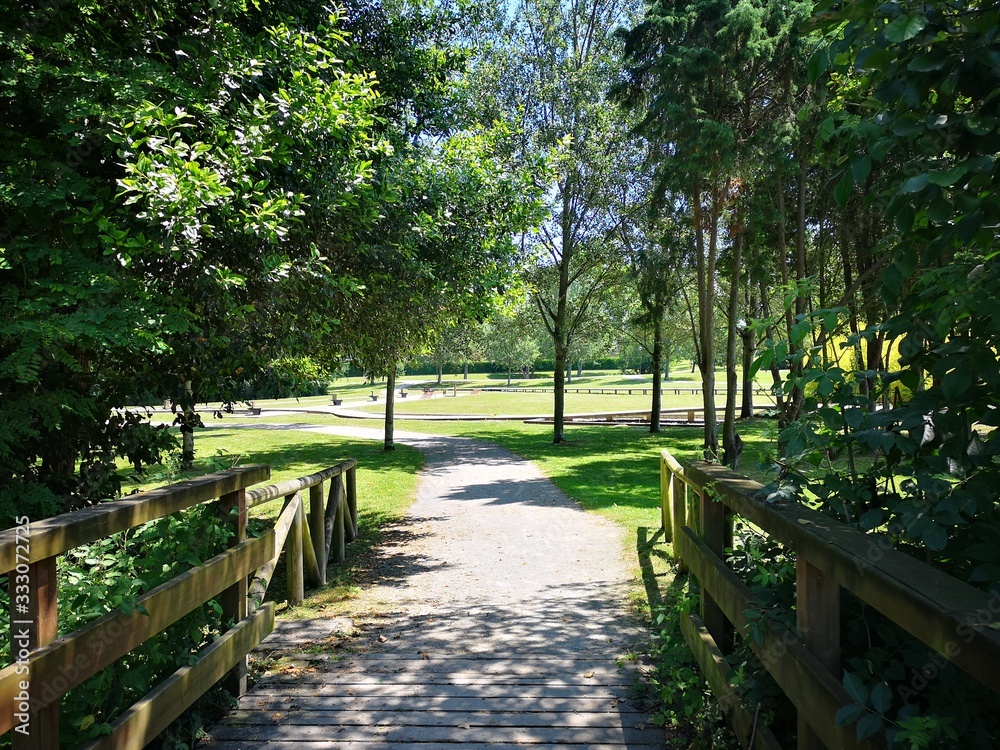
442	252
458	344
703	75
652	257
548	70
509	340
160	185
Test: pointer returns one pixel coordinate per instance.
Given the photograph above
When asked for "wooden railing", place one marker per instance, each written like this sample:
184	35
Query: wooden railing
954	619
46	664
312	543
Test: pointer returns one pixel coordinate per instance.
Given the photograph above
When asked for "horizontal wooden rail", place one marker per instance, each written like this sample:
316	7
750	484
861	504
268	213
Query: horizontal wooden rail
620	391
260	495
54	536
955	619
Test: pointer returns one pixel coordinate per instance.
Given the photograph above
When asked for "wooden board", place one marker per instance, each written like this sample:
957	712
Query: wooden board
140	725
53	536
405	704
260	495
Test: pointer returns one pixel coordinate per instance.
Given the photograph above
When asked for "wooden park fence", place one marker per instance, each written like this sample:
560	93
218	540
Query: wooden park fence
45	664
956	620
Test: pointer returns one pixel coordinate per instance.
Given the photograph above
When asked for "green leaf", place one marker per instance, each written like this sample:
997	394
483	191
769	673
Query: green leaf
956	382
849	714
905	217
855	687
818	63
869	726
980	125
915	184
924	62
843	190
907	125
935	536
947	177
872	519
882	697
905	28
892	281
861	167
940	211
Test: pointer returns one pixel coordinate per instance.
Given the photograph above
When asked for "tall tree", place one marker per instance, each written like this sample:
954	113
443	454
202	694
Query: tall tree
703	75
159	184
548	70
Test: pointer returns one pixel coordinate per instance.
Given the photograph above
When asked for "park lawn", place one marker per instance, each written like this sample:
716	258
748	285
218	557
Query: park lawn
610	469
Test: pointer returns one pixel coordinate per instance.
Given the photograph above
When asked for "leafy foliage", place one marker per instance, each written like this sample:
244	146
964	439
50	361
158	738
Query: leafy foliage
108	576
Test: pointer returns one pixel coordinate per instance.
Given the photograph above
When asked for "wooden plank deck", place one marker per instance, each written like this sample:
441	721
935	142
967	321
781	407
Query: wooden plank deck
472	700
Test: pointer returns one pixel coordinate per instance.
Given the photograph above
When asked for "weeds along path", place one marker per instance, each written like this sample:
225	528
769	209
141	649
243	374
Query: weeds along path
502	620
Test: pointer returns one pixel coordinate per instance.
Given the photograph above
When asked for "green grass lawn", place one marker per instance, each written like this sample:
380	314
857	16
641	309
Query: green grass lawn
613	470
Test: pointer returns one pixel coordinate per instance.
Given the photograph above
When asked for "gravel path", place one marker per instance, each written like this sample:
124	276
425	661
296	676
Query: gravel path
503	610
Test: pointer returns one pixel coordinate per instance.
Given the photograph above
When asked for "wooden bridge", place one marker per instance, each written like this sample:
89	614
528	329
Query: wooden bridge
460	675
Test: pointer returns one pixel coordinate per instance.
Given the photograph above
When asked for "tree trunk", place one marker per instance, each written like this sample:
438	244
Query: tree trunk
440	371
749	347
559	394
706	313
390	402
657	403
579	367
187	428
732	446
465	370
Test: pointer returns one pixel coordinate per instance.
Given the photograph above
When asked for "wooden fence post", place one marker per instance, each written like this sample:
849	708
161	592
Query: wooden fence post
352	504
679	490
666	499
713	533
817	619
293	555
334	521
310	565
233	508
317	530
41	623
